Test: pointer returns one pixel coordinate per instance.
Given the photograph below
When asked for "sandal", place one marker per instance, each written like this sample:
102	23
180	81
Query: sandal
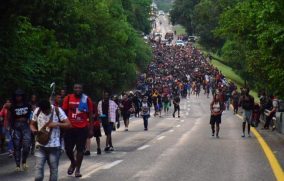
71	170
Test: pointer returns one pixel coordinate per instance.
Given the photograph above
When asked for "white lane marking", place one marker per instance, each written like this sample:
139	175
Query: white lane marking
143	147
110	165
171	130
182	121
178	126
92	169
161	137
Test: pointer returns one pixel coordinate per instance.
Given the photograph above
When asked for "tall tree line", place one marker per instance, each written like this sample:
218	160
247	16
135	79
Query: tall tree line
95	42
248	34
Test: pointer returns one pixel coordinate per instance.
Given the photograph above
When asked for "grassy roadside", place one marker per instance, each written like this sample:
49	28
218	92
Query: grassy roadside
179	29
229	73
232	76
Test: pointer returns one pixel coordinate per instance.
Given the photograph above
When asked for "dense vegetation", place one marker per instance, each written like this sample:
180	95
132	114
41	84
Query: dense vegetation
248	34
95	42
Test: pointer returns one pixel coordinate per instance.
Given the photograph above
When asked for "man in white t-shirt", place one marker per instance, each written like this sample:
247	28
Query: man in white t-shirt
53	118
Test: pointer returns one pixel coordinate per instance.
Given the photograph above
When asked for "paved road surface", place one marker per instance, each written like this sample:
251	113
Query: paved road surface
174	149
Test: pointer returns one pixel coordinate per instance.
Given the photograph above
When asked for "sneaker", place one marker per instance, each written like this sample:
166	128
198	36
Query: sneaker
25	166
243	135
213	134
111	148
217	136
87	153
107	149
18	169
126	129
146	129
99	151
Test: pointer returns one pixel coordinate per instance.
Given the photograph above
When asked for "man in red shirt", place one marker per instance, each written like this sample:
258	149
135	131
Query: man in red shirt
79	109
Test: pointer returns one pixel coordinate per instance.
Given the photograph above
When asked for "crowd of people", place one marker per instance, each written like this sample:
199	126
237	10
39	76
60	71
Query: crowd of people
69	121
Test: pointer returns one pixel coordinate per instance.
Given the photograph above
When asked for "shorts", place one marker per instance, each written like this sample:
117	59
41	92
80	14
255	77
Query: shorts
247	116
76	137
125	116
108	127
215	119
97	131
166	105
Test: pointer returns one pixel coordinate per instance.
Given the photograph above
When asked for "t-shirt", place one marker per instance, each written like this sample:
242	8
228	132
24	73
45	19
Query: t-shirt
176	101
127	104
77	118
216	107
42	119
20	112
145	109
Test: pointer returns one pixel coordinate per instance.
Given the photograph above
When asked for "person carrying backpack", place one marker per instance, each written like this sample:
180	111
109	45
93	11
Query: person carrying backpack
216	108
79	109
247	103
47	116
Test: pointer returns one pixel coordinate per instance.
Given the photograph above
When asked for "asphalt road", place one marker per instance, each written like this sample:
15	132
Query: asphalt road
174	149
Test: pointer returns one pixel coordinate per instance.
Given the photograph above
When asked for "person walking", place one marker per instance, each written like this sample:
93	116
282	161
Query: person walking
79	109
97	133
126	110
20	112
176	103
6	131
34	104
166	103
235	98
145	112
53	118
216	108
272	107
247	103
107	113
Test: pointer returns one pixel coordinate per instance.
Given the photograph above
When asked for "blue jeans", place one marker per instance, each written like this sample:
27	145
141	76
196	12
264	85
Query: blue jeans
145	119
51	155
22	141
8	139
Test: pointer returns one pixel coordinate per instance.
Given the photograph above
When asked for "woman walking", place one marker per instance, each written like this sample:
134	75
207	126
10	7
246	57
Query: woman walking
145	113
216	108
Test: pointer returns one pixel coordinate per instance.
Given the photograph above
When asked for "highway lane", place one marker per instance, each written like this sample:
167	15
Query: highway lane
180	149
